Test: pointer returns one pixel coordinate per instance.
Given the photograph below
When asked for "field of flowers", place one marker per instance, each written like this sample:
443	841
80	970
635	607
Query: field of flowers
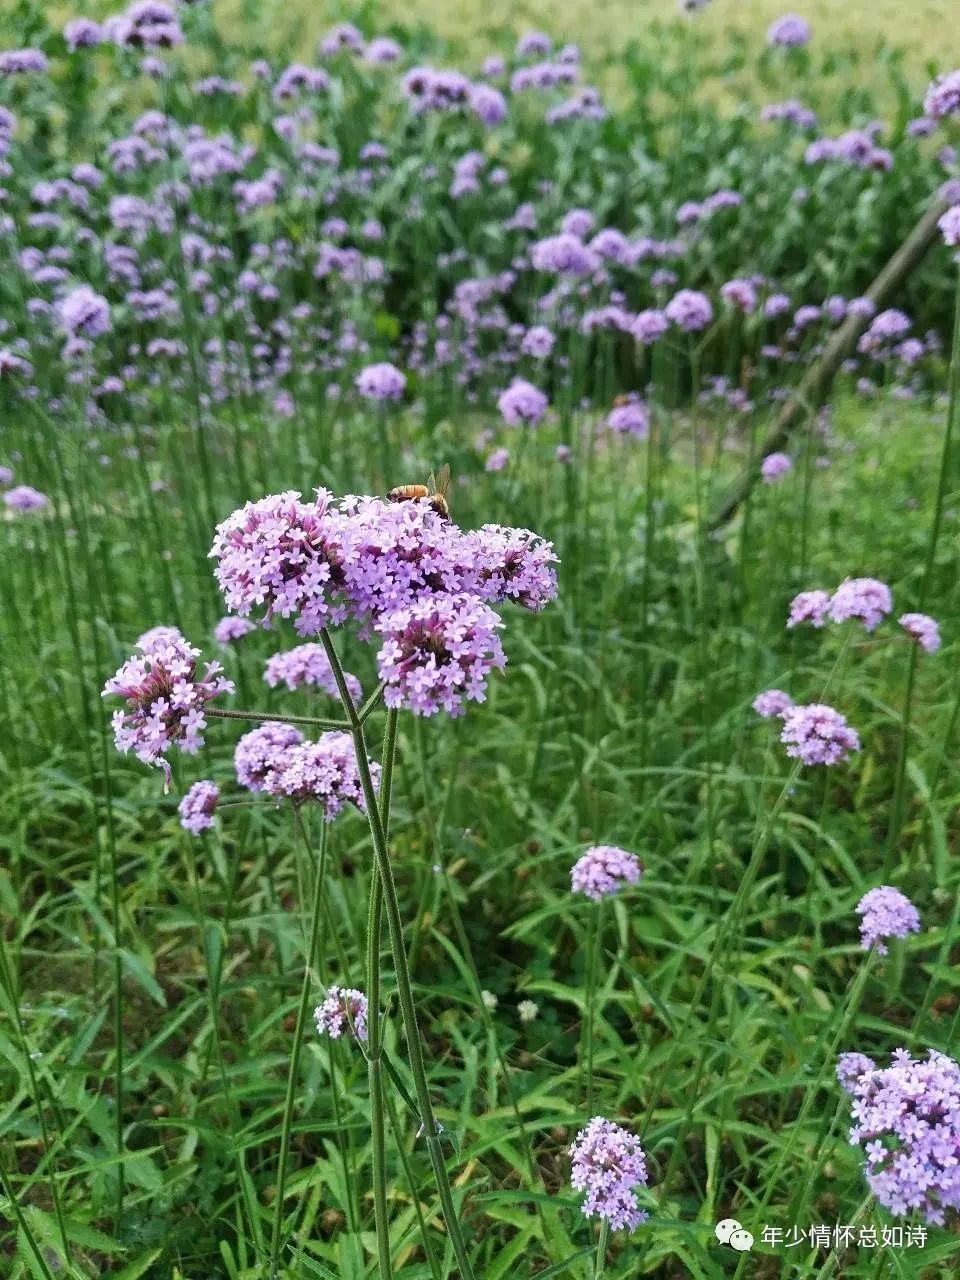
478	551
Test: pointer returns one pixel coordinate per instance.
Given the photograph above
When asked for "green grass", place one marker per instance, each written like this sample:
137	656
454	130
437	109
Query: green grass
599	732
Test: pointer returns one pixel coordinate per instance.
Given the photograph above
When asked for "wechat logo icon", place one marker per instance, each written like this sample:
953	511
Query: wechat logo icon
730	1232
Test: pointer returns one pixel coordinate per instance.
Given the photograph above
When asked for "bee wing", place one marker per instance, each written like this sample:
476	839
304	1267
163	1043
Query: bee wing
443	484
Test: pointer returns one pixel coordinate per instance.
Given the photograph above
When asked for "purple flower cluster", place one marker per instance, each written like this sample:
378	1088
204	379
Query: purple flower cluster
324	772
23	498
923	629
630	418
774	466
887	913
817	734
260	752
772	702
907	1121
522	404
789	32
380	382
949	225
84	313
165	696
273	554
343	1008
943	97
865	599
438	652
229	629
608	1163
689	310
604	870
198	806
307	664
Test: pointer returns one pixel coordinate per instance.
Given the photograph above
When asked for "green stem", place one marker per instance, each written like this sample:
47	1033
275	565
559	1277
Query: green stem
297	1042
404	986
374	1030
601	1250
592	949
263	716
24	1225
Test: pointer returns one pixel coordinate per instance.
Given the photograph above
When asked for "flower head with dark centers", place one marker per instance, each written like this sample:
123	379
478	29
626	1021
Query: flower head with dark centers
380	382
165	695
608	1163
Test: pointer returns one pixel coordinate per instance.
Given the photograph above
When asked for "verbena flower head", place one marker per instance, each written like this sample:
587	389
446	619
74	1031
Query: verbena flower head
437	653
380	382
608	1163
24	498
865	599
689	310
924	629
261	751
307	664
522	404
509	564
165	696
907	1121
773	702
84	313
949	225
809	606
323	772
279	555
630	418
198	806
774	466
851	1066
790	32
943	96
817	734
228	629
887	913
343	1009
604	870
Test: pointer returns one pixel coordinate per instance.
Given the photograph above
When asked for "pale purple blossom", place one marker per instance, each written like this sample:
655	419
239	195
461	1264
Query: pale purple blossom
608	1163
865	599
943	96
261	751
25	498
308	665
817	734
771	703
380	382
603	870
924	629
198	806
522	404
438	653
774	466
789	32
230	629
689	310
887	913
809	606
907	1121
343	1008
165	695
324	772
